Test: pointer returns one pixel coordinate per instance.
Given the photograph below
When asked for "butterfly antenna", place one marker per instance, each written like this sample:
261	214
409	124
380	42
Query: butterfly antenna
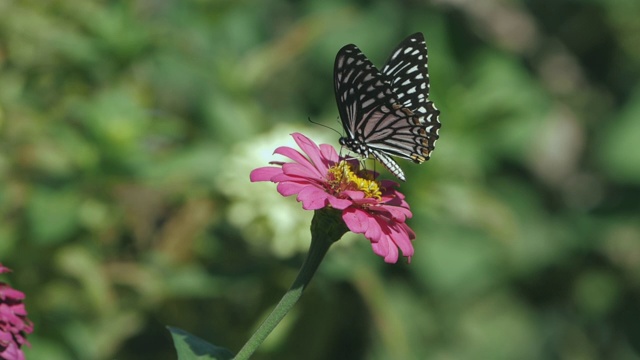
325	126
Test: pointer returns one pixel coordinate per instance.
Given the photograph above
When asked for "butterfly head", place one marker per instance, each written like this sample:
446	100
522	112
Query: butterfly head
355	146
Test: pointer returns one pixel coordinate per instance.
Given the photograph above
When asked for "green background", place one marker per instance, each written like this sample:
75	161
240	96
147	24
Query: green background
128	131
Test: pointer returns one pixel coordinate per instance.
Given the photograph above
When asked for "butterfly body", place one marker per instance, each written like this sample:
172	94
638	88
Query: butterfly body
387	113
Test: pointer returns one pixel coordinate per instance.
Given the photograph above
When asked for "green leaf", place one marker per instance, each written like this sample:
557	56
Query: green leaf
190	347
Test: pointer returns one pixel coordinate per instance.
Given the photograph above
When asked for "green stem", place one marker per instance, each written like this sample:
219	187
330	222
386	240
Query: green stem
326	227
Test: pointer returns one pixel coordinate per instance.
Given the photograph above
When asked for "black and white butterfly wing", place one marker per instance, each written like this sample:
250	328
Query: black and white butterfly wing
407	72
374	122
359	88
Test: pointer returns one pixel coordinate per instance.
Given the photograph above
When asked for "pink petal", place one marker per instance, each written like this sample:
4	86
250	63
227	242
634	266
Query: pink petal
397	213
12	352
19	309
354	194
398	194
9	292
297	179
311	149
264	173
395	200
291	153
365	201
392	236
392	254
289	188
400	237
312	198
386	247
356	220
373	232
329	153
339	204
409	231
294	169
381	247
389	184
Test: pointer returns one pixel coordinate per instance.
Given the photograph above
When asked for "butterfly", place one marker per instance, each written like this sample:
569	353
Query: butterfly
387	113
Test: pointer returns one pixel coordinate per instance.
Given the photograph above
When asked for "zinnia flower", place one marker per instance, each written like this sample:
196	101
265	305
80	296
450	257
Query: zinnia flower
322	179
14	325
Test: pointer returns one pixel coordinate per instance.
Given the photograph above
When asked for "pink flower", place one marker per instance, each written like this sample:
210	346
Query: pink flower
323	179
14	325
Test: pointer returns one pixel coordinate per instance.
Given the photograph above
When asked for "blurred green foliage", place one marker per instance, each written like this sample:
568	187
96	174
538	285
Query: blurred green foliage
128	130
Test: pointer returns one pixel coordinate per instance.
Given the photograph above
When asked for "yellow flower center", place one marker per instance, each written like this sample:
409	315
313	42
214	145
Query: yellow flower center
342	177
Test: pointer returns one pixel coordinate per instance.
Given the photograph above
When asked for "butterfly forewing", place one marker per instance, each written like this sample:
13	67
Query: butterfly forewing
359	88
407	72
